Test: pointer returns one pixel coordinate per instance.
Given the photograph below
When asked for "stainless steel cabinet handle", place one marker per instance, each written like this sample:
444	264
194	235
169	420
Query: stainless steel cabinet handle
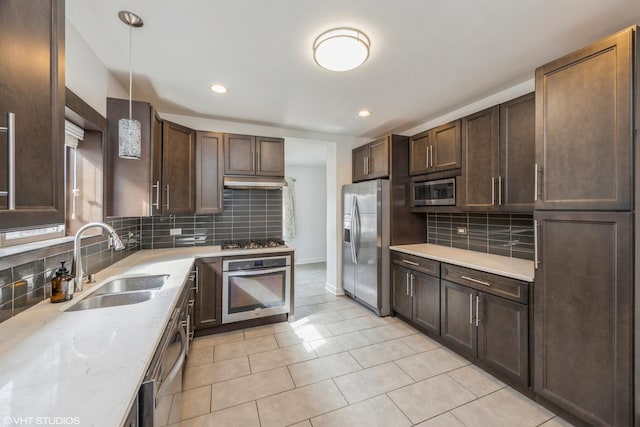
477	310
364	165
253	160
167	196
410	262
157	202
536	186
471	309
480	282
493	191
431	155
196	280
412	292
499	191
11	154
427	154
407	282
536	261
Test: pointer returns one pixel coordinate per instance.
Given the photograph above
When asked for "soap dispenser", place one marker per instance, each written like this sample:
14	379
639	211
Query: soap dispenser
61	285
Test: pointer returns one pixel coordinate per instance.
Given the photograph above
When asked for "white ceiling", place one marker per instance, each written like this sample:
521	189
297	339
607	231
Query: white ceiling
427	58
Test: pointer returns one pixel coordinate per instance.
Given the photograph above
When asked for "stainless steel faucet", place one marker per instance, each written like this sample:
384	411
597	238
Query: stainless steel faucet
76	269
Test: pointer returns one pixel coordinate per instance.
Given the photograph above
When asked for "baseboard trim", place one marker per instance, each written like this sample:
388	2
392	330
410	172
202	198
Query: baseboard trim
330	287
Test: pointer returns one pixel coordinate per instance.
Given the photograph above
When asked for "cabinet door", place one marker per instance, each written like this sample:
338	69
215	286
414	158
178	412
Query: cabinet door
208	172
359	160
426	301
239	155
584	127
401	301
457	316
379	158
32	70
583	314
209	293
269	156
503	335
480	159
178	161
419	153
517	154
157	195
446	147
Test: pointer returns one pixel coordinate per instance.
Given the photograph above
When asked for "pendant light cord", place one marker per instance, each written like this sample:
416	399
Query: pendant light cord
130	69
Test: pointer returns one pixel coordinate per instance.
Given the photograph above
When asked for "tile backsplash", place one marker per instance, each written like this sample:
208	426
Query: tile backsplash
254	214
500	234
28	283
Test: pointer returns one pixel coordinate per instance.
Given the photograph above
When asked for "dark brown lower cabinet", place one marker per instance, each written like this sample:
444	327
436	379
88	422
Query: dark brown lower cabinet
491	328
416	296
208	292
584	314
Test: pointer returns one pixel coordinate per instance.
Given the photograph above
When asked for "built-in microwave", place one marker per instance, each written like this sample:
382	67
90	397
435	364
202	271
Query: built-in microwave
441	192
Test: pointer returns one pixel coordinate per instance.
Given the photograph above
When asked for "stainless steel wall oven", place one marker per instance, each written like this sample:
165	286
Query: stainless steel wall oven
255	287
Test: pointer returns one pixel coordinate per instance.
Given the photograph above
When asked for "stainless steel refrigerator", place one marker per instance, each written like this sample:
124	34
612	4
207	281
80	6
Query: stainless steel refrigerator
365	244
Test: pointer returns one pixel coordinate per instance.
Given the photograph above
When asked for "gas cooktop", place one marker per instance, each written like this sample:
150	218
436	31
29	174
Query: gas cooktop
254	244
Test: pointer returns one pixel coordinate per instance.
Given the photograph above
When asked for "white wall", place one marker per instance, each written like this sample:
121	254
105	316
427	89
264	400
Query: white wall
86	75
310	204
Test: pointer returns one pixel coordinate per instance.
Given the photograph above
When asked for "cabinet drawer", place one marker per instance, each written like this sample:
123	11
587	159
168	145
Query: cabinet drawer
417	263
505	287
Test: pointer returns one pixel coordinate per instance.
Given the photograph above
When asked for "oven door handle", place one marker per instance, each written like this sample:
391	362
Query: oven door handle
177	367
256	272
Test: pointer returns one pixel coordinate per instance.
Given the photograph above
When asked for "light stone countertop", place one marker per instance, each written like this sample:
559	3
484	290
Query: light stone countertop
514	268
88	364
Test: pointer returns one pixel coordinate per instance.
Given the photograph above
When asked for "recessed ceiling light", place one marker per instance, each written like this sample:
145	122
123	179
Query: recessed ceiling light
341	49
364	113
218	88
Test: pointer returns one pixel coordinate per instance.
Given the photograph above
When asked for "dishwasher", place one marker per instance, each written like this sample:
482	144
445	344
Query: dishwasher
160	396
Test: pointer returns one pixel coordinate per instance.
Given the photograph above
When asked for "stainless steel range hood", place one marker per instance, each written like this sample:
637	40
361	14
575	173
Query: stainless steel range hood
259	182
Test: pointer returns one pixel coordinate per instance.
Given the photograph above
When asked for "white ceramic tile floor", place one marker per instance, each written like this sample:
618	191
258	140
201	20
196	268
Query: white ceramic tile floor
338	365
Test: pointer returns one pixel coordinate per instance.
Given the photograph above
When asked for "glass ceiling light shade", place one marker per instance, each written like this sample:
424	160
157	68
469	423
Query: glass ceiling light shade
129	135
341	49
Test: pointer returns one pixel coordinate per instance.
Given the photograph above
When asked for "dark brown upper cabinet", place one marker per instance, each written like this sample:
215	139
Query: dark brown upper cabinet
178	168
371	161
480	159
584	127
584	314
163	180
435	150
33	89
208	172
135	186
498	151
253	155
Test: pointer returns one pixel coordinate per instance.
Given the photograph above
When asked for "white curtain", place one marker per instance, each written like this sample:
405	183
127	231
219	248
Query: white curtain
289	214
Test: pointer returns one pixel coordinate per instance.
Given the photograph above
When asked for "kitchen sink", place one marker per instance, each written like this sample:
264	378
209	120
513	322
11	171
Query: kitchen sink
131	284
111	300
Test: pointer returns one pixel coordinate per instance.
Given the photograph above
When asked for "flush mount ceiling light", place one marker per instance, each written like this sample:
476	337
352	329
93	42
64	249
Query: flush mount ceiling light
129	137
218	88
341	49
364	113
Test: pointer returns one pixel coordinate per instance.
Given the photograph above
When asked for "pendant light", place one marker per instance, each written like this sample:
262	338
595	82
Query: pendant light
129	137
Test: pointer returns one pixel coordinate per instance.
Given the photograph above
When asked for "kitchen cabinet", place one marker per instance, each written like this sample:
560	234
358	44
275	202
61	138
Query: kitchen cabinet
584	314
208	293
208	172
135	187
32	66
584	127
163	180
498	151
371	161
253	155
415	284
178	168
436	150
487	316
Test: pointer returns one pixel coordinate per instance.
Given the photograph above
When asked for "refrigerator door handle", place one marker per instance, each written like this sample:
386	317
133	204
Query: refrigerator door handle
355	220
352	244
